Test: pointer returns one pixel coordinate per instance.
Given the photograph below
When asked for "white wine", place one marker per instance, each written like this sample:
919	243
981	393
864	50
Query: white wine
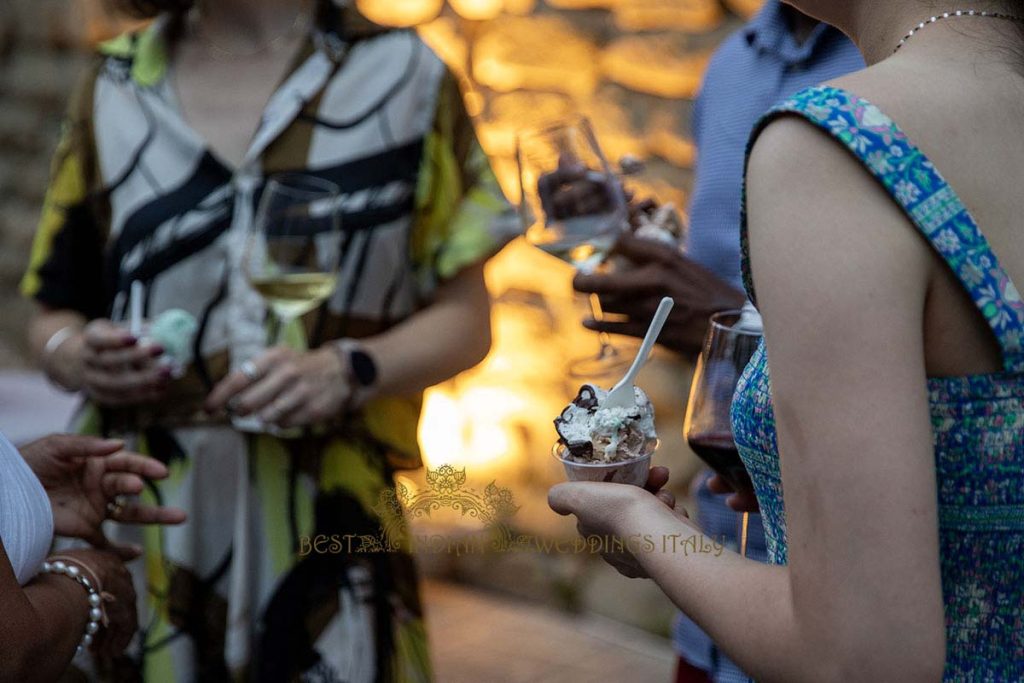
295	294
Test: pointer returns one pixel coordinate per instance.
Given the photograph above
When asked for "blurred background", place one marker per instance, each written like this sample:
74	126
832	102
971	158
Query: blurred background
633	67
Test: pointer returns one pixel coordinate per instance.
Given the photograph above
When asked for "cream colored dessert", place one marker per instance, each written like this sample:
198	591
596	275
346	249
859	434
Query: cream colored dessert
595	434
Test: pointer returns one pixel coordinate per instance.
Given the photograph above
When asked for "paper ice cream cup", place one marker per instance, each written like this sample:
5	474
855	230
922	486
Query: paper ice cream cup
632	472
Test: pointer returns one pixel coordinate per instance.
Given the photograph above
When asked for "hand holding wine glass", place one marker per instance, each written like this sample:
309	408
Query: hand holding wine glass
574	208
729	346
294	250
292	260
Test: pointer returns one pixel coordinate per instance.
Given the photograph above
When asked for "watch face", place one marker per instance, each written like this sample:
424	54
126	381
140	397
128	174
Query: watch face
363	367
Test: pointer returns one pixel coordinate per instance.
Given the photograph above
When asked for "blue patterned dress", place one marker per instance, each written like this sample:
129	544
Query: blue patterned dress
977	421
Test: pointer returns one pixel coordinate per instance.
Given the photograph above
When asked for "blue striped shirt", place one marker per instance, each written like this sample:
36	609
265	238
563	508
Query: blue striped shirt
753	69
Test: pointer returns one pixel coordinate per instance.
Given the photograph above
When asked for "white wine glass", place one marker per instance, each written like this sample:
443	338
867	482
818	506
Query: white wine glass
293	253
573	207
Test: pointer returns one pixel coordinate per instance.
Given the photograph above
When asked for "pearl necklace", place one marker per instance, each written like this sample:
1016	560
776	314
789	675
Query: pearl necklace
953	15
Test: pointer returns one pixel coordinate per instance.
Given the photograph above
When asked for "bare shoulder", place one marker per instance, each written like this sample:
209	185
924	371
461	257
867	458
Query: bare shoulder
885	86
807	195
795	160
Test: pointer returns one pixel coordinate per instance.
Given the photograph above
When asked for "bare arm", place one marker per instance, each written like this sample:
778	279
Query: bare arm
64	366
451	335
42	625
99	357
842	279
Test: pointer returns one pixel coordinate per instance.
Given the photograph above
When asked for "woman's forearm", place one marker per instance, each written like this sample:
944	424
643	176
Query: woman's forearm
62	363
451	335
42	624
745	606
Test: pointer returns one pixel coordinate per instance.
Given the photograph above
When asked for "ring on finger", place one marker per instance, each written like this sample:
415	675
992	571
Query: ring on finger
115	508
251	372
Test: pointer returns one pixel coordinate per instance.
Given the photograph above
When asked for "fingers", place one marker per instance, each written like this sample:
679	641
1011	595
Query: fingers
103	335
718	484
134	463
138	513
136	356
576	497
564	498
623	283
126	385
264	392
743	502
291	409
76	446
238	381
122	613
656	479
121	484
642	251
629	328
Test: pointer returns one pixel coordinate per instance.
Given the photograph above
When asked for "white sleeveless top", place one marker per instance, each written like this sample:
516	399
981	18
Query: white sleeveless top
26	518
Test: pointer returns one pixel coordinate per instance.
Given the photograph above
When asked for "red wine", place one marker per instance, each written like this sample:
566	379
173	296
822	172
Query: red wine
719	452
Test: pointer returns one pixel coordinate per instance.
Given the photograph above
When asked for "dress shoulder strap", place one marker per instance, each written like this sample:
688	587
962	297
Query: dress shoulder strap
925	197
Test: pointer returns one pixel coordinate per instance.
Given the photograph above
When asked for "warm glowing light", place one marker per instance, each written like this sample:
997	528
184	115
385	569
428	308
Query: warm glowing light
477	10
657	67
536	53
443	37
692	16
520	7
745	8
497	416
523	70
400	12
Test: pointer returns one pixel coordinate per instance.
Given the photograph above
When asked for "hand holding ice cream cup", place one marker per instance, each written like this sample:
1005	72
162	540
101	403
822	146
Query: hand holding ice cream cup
609	444
609	436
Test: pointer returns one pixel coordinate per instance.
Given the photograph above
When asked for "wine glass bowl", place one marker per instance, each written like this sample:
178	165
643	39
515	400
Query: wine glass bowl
573	206
294	250
572	203
727	350
708	425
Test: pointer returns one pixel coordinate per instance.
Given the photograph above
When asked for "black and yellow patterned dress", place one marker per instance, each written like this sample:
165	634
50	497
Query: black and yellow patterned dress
136	194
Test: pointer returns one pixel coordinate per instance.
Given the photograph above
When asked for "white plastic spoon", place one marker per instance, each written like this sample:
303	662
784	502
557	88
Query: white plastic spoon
622	394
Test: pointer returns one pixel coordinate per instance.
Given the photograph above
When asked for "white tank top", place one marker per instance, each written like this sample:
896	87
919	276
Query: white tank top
26	518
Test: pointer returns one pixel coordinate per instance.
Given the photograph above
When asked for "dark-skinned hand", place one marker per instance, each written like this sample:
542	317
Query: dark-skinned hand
659	270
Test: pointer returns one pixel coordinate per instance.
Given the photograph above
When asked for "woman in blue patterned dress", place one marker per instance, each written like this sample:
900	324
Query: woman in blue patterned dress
893	420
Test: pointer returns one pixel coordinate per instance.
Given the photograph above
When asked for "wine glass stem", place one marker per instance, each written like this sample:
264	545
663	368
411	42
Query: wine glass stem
743	534
281	333
597	313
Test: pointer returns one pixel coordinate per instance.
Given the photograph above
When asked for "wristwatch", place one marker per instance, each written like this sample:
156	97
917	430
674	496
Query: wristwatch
360	367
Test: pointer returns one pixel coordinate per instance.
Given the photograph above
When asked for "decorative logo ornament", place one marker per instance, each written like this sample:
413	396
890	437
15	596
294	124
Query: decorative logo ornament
446	489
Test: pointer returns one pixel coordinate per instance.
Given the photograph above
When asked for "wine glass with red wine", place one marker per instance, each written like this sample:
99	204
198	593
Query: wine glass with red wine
708	427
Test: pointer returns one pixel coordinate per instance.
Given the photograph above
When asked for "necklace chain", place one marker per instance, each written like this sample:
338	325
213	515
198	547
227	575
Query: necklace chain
955	15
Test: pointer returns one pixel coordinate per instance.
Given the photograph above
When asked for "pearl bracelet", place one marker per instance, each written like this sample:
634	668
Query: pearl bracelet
95	599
